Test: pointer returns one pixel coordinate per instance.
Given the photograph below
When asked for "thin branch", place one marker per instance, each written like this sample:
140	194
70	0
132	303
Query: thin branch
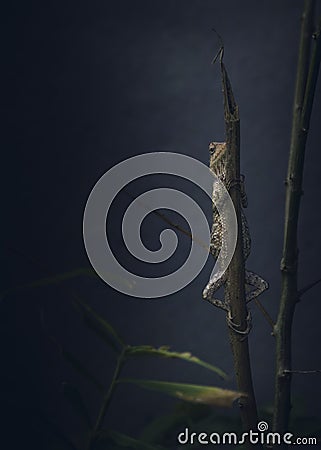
266	315
107	399
303	372
167	220
312	78
308	287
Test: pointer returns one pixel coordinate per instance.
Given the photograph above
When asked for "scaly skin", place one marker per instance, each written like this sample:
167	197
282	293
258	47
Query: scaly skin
218	166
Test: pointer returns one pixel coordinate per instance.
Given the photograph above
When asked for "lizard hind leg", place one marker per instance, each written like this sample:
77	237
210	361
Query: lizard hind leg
259	284
210	290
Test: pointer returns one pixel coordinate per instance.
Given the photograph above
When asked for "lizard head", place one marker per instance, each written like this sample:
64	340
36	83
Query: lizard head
218	159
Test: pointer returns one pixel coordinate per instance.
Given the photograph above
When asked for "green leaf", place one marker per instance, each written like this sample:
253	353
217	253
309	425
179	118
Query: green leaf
99	325
164	352
74	397
207	395
124	441
77	365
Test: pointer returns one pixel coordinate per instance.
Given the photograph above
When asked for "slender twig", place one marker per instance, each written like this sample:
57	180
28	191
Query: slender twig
167	220
303	372
312	79
307	72
107	398
266	315
308	287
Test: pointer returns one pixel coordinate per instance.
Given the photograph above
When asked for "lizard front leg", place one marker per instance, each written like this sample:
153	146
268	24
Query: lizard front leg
208	294
211	288
259	284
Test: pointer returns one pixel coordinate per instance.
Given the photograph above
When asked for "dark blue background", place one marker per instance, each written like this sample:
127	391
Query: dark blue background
90	84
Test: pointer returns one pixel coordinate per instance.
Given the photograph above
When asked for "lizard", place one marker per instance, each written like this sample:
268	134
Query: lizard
218	163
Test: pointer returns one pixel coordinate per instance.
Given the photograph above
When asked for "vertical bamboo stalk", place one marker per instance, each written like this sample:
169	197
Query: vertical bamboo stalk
235	286
307	73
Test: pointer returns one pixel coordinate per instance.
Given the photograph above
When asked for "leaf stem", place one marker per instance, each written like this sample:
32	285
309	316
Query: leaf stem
108	396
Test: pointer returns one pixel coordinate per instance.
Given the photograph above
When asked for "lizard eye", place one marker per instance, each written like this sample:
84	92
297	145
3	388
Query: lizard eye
212	148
